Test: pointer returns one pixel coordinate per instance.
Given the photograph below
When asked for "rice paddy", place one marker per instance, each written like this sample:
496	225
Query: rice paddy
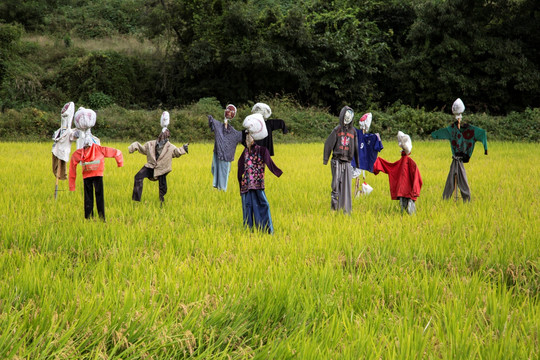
454	281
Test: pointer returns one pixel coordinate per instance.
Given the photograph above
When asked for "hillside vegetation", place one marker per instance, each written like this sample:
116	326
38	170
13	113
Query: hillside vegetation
139	54
305	124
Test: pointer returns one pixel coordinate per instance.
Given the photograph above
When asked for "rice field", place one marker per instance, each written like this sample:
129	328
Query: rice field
454	281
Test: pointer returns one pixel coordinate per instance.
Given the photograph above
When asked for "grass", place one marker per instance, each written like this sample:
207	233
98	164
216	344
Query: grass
126	44
187	280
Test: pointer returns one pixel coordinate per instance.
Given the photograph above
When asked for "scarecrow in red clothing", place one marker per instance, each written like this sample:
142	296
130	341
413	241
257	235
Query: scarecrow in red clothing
91	157
403	175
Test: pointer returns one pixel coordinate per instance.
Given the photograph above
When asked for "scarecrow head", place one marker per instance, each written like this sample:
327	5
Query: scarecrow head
263	109
255	126
346	115
404	142
230	112
458	108
164	121
365	122
67	115
85	119
165	134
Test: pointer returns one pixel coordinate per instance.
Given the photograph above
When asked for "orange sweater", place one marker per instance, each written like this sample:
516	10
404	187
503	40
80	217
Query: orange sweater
92	162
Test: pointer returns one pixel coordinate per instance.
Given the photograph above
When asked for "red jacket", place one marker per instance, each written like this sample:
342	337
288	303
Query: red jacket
92	162
403	175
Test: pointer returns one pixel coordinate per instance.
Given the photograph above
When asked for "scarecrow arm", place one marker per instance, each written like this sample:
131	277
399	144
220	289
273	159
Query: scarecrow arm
179	151
138	147
329	145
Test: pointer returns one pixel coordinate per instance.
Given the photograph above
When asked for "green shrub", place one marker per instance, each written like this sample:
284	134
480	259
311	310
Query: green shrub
28	124
10	34
99	100
305	124
106	77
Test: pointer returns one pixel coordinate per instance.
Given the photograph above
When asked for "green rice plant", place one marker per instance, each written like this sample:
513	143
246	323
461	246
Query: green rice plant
187	280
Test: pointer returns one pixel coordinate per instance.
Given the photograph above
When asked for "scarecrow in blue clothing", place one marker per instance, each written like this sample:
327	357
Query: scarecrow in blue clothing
226	138
369	146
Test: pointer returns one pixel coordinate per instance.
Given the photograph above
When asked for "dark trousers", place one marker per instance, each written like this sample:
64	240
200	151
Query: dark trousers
147	173
91	185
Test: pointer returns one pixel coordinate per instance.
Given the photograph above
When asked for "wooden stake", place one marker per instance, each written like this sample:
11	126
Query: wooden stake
59	164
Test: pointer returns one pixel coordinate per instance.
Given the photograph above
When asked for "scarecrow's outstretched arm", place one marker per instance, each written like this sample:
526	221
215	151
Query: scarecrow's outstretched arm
143	149
179	151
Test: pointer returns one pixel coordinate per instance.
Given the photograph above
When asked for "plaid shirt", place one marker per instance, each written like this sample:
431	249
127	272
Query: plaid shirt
225	140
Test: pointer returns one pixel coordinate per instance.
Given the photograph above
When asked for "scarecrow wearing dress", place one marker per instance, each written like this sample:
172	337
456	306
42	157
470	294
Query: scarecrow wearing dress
159	154
251	173
63	137
403	175
271	125
226	138
462	138
369	146
91	157
343	146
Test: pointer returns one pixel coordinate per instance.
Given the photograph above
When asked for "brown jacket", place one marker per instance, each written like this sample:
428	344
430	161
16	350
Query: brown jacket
163	164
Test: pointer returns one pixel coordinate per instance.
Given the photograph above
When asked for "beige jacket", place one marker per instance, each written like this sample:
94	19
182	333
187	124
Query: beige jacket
163	164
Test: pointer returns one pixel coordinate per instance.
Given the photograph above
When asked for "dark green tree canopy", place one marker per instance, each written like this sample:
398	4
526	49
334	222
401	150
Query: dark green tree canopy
369	54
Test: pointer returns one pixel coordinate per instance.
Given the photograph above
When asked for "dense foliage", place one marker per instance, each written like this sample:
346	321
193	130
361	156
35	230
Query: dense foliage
421	53
306	124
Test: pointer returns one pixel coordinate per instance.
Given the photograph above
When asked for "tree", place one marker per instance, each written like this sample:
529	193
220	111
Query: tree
473	50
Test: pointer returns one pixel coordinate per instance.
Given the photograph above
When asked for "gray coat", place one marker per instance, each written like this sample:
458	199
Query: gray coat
163	164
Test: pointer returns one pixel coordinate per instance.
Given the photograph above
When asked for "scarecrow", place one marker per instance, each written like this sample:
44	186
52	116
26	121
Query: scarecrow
343	146
369	146
251	169
462	138
91	157
403	175
271	125
226	137
61	149
159	154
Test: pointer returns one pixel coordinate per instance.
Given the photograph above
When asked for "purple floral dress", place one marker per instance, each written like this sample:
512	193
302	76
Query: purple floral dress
251	166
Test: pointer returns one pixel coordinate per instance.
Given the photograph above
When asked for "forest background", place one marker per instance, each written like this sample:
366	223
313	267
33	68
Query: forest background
404	60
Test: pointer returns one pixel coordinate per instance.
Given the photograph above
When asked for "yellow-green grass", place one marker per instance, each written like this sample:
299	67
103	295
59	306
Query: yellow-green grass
454	281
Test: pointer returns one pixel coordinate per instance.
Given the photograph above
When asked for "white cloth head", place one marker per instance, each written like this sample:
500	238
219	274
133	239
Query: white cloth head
164	121
67	115
404	141
85	118
458	108
365	122
263	109
256	126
